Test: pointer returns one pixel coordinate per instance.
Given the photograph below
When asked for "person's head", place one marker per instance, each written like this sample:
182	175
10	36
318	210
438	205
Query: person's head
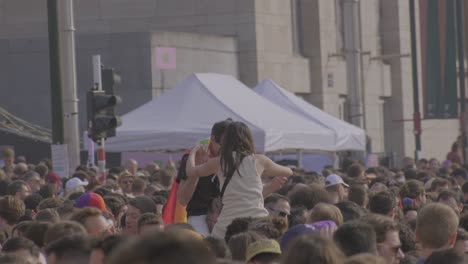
150	222
238	243
116	205
75	184
104	247
23	248
313	248
446	256
49	215
237	139
270	227
11	209
70	250
460	175
308	196
19	189
218	247
131	166
355	237
365	258
8	156
138	187
439	185
33	180
263	251
36	232
450	199
238	225
278	205
325	211
383	203
63	229
434	164
388	239
357	193
164	247
407	238
335	185
357	172
93	220
54	202
350	210
413	189
126	182
436	226
91	200
217	132
136	207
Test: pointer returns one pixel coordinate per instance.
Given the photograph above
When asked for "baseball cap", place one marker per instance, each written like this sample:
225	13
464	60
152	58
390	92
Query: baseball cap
91	200
73	183
53	177
262	246
334	179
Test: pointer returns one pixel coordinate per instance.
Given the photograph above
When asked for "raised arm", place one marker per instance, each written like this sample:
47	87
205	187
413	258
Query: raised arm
206	169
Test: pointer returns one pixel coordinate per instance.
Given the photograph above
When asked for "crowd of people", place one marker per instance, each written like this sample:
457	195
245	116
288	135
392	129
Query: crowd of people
238	206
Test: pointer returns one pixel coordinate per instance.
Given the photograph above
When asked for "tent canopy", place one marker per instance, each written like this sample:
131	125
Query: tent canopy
182	116
348	137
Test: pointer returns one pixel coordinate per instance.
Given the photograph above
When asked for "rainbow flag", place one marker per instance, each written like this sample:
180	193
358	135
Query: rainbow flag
174	212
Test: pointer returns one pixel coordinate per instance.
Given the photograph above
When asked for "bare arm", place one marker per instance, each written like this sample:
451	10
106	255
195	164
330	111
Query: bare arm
186	189
273	186
270	168
206	169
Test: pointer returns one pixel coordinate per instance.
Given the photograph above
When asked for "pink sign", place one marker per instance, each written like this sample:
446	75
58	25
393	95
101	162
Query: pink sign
166	58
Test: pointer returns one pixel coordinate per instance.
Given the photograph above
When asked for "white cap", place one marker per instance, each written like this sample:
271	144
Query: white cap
74	183
334	179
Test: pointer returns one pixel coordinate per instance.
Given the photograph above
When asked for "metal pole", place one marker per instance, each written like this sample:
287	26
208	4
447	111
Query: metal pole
70	103
461	65
101	151
414	61
55	69
353	60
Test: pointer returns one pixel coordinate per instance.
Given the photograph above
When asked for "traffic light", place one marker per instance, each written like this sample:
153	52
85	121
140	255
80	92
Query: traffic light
102	120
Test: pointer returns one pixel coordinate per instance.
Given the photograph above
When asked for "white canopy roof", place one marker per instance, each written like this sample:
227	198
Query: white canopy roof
348	137
182	116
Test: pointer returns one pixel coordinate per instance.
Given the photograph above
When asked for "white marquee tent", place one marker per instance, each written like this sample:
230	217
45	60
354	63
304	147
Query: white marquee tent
348	137
182	116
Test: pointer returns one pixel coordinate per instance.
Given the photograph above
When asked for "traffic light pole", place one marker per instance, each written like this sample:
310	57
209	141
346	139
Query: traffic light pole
101	151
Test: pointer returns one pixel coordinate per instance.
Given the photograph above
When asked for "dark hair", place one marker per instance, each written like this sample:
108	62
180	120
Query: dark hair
48	215
309	196
274	198
382	203
357	194
313	248
76	248
407	238
356	237
64	229
451	256
42	170
238	243
218	129
144	204
355	170
32	201
218	247
350	210
238	225
149	219
237	139
15	187
164	247
114	204
46	191
412	189
103	191
54	202
18	243
30	174
447	194
109	244
36	232
138	185
13	259
465	187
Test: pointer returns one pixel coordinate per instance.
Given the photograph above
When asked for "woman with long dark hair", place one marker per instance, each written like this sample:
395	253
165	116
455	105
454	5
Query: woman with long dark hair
239	170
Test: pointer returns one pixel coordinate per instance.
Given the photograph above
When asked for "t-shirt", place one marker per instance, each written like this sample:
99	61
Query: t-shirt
207	189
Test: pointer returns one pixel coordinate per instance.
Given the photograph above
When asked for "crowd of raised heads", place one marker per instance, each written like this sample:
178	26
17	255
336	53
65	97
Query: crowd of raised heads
223	203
